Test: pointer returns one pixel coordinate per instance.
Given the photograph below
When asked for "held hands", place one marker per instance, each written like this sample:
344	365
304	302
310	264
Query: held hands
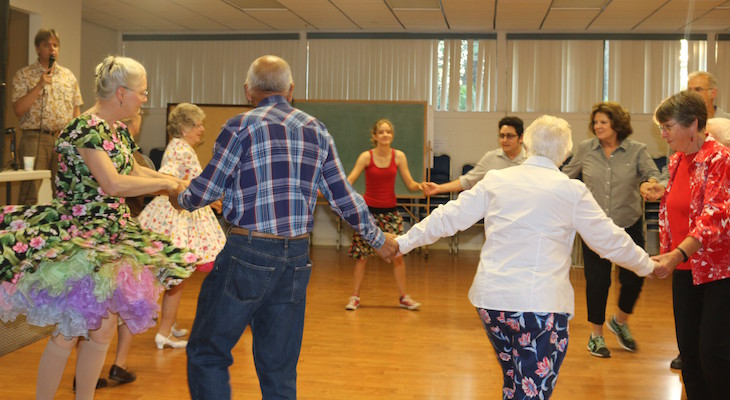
665	263
651	191
430	188
217	206
389	249
173	193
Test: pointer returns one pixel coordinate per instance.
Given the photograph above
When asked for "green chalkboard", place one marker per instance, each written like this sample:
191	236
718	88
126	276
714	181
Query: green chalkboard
349	123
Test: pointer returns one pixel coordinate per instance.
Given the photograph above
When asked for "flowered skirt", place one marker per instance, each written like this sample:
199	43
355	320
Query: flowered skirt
388	220
70	269
198	230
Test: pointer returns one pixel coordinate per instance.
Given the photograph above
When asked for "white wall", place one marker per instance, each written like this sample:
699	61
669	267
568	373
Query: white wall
97	42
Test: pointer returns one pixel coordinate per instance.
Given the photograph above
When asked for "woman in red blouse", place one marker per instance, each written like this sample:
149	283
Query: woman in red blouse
694	224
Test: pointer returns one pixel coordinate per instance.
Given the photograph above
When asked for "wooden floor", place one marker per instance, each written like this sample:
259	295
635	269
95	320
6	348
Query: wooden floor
383	352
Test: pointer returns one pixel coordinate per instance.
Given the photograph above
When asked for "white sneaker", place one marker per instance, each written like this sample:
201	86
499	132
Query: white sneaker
353	304
407	302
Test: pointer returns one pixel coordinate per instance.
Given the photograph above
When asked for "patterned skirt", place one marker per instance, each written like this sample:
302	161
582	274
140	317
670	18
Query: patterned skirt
389	221
70	265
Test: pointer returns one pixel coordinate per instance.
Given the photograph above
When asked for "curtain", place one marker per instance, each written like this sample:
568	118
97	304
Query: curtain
369	69
642	73
554	75
448	74
206	72
722	73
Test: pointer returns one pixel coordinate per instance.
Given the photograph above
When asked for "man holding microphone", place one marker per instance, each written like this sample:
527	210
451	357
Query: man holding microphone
46	97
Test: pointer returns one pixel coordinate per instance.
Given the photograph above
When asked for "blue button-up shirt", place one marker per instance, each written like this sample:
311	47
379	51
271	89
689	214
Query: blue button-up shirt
268	164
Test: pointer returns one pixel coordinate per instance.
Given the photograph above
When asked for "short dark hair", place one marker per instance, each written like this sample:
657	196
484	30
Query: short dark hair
620	118
513	122
45	34
684	107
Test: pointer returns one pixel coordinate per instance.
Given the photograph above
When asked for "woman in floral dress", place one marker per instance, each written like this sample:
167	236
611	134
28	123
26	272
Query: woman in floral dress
81	262
199	229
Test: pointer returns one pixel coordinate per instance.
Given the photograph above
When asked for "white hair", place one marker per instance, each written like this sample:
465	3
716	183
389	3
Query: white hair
719	128
549	137
115	72
269	74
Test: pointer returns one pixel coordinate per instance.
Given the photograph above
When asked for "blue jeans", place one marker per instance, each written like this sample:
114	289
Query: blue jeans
256	281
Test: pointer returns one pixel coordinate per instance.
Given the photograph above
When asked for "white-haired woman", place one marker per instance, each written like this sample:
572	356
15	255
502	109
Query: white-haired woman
199	229
522	290
81	261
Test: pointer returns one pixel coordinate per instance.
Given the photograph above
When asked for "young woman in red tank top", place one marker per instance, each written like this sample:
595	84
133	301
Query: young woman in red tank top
381	165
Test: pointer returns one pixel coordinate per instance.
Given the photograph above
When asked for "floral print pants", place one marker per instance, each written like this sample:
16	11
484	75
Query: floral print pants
530	348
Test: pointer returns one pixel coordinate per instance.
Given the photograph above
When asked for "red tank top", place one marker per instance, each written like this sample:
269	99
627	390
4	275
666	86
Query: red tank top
380	183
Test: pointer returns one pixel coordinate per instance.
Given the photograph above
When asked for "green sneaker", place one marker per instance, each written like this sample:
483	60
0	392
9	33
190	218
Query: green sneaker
597	347
625	339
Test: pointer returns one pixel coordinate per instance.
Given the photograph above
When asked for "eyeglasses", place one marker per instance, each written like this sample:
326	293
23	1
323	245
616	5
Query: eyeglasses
508	136
699	89
145	93
666	127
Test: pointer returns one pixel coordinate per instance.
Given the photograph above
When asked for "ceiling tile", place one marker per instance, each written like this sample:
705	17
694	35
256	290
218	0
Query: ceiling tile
470	15
422	20
521	15
570	20
322	15
369	15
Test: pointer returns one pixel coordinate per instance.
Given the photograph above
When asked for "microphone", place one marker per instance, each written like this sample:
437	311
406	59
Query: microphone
51	60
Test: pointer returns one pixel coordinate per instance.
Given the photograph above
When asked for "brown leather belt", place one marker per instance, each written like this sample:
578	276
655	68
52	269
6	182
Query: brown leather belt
235	230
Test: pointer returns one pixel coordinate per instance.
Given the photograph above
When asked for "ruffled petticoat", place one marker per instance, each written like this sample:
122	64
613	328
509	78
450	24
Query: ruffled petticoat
75	277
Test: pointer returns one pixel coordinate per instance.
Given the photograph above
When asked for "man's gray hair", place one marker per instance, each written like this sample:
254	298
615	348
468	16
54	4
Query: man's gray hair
710	78
269	74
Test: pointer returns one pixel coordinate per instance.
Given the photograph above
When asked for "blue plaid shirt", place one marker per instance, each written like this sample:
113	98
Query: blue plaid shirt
268	164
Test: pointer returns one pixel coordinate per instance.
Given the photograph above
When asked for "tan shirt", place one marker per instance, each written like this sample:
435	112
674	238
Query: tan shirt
58	100
495	159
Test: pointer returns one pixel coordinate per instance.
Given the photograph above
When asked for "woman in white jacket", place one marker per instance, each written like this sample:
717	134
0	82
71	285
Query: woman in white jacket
522	290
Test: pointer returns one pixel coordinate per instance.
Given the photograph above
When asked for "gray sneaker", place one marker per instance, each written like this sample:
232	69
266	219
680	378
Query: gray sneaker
625	339
597	347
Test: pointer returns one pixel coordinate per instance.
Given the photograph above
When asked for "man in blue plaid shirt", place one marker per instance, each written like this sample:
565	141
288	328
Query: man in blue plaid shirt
268	165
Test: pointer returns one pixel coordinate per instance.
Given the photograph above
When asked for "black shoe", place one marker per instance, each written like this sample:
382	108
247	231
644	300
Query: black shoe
121	375
676	363
101	383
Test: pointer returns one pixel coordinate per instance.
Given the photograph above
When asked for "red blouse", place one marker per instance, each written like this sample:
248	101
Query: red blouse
678	202
709	211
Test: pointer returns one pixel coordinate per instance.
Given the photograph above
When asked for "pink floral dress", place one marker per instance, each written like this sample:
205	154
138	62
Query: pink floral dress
199	229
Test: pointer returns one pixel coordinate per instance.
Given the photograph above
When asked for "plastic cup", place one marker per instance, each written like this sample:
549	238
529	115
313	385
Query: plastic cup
28	163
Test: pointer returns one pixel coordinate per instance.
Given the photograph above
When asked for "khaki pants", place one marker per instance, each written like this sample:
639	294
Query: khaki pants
42	146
